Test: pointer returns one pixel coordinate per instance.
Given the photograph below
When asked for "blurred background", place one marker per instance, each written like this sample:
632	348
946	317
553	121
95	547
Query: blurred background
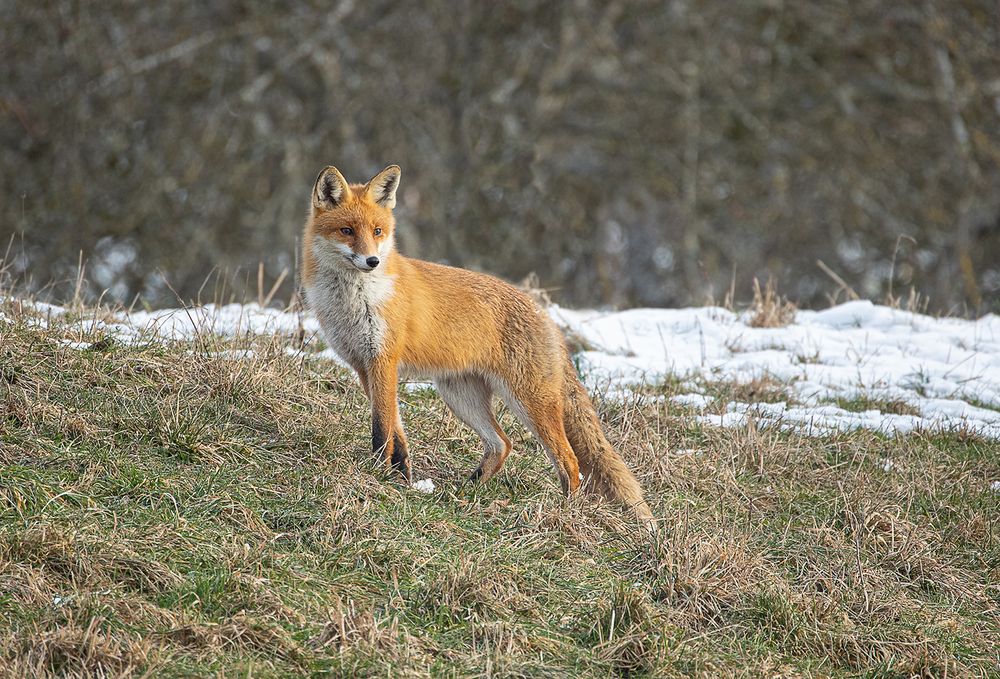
628	153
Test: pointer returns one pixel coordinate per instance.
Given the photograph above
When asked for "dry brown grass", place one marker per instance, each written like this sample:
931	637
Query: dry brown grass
166	510
80	650
769	309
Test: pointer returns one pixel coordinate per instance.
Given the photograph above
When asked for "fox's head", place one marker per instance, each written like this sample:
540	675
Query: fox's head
353	222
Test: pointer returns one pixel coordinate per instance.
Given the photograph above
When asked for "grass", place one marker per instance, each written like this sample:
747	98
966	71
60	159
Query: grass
769	309
168	511
860	404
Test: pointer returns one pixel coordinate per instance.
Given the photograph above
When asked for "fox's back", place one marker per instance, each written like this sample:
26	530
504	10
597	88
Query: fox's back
455	319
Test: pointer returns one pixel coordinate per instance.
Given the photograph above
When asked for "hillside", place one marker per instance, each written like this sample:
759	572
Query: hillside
191	492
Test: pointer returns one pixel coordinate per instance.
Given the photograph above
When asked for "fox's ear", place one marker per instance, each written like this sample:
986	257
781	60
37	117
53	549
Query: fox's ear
330	189
382	187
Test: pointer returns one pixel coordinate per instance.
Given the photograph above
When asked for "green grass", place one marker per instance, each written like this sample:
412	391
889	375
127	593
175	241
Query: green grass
170	512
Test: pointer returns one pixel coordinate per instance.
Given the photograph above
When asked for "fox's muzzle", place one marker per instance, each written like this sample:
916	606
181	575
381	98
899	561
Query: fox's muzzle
365	263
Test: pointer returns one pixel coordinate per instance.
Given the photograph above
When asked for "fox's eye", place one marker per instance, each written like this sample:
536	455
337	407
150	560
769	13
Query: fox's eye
347	231
378	232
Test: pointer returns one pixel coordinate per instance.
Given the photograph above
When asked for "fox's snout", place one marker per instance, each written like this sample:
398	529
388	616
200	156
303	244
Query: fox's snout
365	263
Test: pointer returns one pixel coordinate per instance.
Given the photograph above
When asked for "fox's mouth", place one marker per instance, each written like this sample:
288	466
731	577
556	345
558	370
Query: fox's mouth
360	267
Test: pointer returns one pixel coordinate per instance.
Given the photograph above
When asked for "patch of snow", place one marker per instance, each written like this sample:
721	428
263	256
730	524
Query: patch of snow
946	370
995	486
45	309
416	386
697	401
232	354
75	345
851	351
687	451
228	320
424	486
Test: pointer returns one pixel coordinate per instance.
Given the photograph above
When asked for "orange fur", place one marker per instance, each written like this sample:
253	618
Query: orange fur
474	334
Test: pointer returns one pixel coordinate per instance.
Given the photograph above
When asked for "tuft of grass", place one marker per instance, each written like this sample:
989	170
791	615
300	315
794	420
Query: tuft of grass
761	389
861	404
769	309
212	508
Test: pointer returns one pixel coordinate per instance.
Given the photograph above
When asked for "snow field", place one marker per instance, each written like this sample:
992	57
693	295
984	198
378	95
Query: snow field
946	372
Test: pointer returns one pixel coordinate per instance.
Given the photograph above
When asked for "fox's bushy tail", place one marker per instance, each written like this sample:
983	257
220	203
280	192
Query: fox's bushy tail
602	467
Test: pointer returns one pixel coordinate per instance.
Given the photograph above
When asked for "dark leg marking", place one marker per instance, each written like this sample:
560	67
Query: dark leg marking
400	457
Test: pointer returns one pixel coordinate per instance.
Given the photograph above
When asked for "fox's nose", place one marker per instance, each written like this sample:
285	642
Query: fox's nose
372	262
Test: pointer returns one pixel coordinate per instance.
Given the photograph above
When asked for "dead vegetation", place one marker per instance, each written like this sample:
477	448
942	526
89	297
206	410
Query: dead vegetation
175	510
769	309
79	650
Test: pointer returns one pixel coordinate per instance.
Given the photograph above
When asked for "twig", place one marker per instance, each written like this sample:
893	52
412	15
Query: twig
892	269
80	268
838	280
252	92
157	59
274	288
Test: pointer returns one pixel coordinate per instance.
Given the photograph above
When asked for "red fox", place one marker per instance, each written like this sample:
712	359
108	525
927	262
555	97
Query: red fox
388	315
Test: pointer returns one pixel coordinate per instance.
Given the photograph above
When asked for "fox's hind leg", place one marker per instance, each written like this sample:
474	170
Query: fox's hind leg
540	409
470	398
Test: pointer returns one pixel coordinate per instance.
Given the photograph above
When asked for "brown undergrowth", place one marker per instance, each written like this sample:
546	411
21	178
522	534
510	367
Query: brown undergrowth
769	309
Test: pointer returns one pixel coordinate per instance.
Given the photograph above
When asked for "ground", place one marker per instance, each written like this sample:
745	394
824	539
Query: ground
210	506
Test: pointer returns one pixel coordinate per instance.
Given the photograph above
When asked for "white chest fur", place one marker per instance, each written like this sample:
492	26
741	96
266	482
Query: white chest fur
348	304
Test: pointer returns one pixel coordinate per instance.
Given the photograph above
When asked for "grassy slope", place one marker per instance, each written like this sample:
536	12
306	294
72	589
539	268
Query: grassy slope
167	509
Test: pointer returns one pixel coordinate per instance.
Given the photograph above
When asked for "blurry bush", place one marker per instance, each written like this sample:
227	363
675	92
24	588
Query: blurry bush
630	153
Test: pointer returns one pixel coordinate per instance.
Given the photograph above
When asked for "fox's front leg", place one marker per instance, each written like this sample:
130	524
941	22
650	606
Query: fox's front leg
388	439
